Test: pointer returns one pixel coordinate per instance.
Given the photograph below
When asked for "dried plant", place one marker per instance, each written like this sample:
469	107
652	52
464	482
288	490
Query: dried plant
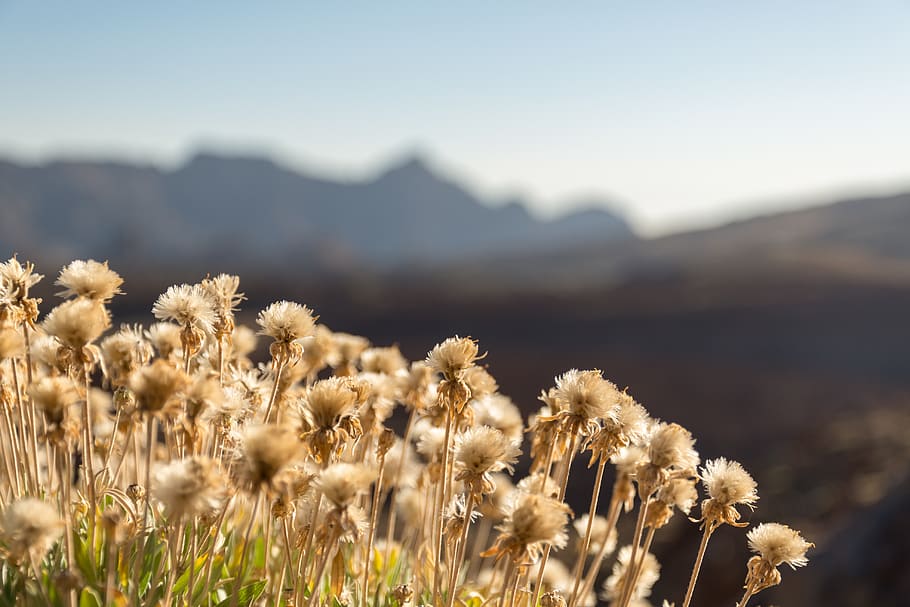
165	465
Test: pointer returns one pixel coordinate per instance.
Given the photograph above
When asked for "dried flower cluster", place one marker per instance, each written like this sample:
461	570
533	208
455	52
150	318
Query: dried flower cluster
164	465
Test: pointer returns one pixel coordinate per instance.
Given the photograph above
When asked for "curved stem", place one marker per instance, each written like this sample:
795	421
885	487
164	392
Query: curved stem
750	589
612	516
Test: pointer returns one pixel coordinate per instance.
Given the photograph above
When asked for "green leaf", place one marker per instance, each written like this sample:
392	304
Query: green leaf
89	597
247	595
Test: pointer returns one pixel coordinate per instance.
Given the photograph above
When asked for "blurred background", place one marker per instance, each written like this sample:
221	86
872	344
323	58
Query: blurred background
708	201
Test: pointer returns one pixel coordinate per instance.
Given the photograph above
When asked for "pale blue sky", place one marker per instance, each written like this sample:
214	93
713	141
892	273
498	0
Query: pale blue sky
686	112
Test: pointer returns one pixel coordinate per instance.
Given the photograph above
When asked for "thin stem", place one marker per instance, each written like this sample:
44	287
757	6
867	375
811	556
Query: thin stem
268	410
570	457
460	549
709	529
374	515
243	552
393	512
440	504
330	546
586	541
636	541
612	516
750	589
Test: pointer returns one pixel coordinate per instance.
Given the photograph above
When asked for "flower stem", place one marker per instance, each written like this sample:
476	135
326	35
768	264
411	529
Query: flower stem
698	559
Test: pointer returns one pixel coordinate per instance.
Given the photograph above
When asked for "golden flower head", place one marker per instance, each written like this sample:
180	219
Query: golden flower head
53	396
29	528
778	544
453	357
157	387
286	321
388	360
327	401
672	446
12	343
222	291
165	338
187	305
190	487
728	485
498	411
124	352
480	382
531	522
586	395
342	483
77	322
267	450
89	279
480	451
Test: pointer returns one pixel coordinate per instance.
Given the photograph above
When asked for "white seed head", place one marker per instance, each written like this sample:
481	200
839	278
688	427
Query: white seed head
453	357
29	528
672	446
341	483
188	306
286	321
728	484
482	449
77	322
189	487
89	279
777	544
586	394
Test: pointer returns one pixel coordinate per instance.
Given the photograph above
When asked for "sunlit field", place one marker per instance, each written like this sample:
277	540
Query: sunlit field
169	464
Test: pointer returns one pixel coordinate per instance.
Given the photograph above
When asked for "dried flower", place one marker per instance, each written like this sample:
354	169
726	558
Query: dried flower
267	450
124	352
728	485
187	305
601	533
190	487
89	279
480	451
329	417
386	360
453	357
12	343
286	321
648	575
77	322
29	528
778	544
222	291
157	387
775	545
531	522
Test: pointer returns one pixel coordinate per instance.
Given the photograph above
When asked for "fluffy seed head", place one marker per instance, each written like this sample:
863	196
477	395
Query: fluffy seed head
267	450
53	396
534	520
327	401
18	278
77	322
165	338
89	279
777	544
29	528
453	357
672	446
222	290
188	306
341	483
189	487
157	387
650	573
388	360
124	352
586	395
286	321
483	449
12	344
728	484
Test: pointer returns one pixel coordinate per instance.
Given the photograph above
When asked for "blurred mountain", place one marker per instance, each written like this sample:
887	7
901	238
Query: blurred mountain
251	209
859	240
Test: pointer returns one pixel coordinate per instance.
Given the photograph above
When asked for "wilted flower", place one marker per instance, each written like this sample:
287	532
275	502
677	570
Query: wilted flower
329	417
77	322
286	321
157	387
124	352
386	360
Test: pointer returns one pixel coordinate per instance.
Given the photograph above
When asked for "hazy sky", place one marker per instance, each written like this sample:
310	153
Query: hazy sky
683	112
